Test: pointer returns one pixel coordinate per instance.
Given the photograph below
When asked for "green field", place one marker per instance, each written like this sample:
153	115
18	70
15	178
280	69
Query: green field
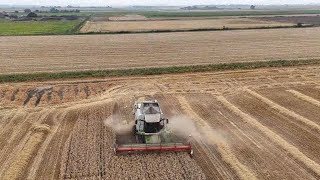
205	13
71	27
225	13
38	27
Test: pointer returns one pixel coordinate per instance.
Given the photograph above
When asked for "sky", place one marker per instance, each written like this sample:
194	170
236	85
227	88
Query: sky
151	2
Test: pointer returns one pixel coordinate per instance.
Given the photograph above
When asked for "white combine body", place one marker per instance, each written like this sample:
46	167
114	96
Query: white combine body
151	131
150	123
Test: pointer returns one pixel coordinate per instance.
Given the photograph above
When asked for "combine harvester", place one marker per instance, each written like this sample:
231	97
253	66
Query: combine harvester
151	132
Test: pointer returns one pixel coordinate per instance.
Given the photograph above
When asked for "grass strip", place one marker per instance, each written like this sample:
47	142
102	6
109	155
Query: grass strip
43	76
77	28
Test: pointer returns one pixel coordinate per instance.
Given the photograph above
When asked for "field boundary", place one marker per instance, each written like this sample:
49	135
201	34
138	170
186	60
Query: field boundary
199	29
78	27
76	30
43	76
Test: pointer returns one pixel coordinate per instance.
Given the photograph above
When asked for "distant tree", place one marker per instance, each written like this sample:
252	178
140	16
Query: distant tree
299	24
27	10
54	10
16	11
252	7
32	14
36	11
77	11
12	16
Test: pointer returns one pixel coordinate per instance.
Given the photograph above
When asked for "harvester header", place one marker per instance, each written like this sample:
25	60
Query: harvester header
154	147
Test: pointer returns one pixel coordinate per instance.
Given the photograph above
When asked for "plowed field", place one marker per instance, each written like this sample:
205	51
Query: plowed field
92	52
254	124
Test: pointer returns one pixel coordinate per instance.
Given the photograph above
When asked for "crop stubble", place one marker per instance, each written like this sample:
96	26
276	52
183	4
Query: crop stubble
93	52
180	24
269	143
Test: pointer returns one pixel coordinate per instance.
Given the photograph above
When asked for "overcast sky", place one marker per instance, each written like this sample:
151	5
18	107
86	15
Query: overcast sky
150	2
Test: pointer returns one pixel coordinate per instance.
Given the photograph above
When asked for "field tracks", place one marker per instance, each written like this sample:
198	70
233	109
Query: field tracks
284	110
7	147
223	148
304	97
17	167
36	163
295	152
15	164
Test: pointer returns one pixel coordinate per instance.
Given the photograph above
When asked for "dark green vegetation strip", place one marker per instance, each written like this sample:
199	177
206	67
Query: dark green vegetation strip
152	71
182	13
223	13
38	27
76	29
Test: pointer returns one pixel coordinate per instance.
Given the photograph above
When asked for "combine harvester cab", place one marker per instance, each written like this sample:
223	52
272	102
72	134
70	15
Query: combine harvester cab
151	131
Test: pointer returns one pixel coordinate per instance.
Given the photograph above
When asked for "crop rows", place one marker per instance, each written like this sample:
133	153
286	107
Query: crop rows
94	52
107	26
305	97
89	153
243	122
295	152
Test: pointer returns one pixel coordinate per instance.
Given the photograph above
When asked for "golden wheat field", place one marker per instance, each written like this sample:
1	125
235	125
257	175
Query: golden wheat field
91	52
131	17
252	124
118	24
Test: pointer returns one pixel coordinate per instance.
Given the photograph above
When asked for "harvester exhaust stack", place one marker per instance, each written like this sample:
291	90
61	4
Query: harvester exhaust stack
150	131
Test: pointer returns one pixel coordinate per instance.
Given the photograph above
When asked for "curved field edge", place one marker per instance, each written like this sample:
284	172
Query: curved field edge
42	76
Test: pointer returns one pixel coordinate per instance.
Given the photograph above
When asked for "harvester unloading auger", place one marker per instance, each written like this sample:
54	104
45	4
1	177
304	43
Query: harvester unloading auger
151	132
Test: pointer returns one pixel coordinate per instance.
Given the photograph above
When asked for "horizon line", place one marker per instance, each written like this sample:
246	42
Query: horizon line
51	5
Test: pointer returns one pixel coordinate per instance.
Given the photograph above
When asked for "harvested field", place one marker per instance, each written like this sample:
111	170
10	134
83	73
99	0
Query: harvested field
182	24
253	124
131	17
93	52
